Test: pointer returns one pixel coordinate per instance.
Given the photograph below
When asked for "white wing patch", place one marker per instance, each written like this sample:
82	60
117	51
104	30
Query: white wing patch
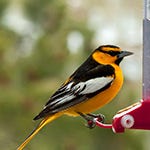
93	85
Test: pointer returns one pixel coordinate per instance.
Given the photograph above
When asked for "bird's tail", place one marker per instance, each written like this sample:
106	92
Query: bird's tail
38	128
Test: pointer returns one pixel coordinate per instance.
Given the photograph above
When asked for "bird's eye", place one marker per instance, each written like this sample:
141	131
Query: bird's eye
113	53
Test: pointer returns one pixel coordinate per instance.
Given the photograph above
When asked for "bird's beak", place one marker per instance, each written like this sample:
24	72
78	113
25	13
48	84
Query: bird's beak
124	54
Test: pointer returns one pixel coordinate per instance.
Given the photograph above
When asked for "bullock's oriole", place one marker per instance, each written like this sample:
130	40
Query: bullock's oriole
92	85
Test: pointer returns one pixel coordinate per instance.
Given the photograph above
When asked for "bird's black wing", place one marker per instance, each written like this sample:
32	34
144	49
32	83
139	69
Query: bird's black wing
83	84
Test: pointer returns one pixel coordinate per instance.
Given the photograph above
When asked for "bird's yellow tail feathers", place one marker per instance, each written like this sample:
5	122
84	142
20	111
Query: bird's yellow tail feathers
38	128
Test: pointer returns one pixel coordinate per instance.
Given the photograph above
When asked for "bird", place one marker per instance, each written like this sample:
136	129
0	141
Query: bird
95	83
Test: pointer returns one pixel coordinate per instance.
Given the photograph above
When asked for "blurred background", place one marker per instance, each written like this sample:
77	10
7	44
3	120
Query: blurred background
41	43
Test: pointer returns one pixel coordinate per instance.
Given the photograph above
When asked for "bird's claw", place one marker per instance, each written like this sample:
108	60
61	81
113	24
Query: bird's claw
91	119
91	123
99	117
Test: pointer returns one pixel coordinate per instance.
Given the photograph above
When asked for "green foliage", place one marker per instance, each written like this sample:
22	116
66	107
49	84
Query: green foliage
3	4
48	14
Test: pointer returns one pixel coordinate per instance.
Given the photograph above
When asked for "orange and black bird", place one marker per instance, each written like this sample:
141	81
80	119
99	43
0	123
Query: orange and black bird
95	83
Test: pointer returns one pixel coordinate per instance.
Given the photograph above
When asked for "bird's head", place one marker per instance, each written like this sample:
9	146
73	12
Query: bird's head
108	54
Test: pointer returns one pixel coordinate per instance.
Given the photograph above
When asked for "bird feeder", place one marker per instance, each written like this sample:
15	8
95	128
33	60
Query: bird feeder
136	116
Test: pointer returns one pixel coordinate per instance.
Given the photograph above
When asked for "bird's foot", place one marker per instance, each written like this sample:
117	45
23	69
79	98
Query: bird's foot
99	117
91	119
